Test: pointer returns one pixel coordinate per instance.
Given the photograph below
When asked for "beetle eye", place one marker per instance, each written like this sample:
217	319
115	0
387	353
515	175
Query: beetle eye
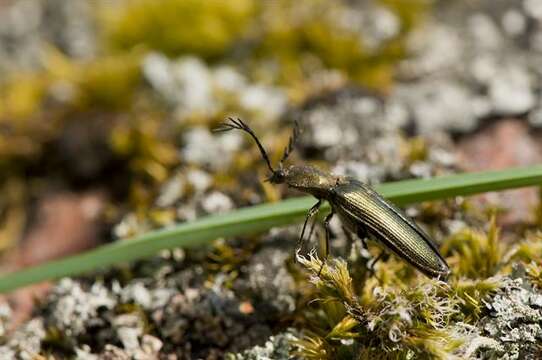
276	177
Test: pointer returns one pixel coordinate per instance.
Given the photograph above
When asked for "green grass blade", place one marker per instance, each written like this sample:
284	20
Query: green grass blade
411	191
262	217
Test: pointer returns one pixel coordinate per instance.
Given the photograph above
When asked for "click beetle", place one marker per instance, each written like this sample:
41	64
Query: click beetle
361	209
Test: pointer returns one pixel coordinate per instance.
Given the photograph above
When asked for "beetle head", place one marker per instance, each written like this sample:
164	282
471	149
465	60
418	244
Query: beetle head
277	177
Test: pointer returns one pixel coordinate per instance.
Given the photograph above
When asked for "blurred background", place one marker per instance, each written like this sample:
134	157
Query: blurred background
106	107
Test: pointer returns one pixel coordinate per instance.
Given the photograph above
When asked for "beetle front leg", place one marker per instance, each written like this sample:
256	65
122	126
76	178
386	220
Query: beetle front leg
312	211
326	245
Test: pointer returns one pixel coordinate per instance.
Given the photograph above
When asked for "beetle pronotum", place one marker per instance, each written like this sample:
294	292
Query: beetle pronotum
361	209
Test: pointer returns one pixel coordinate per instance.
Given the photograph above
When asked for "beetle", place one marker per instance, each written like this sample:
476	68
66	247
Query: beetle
361	209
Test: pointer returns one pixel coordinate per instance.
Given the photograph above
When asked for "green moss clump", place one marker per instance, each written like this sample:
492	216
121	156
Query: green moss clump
412	317
476	254
302	36
409	322
470	294
21	96
204	28
110	82
103	97
415	149
534	272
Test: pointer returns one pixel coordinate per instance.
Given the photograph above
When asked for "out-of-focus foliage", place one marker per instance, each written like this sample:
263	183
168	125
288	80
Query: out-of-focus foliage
208	29
280	42
303	38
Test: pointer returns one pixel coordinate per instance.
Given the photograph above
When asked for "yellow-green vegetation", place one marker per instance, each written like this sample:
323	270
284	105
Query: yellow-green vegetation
410	12
36	108
415	149
399	322
317	39
475	253
534	271
408	316
208	29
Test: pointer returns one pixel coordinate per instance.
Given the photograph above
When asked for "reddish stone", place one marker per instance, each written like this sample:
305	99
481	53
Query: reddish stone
66	223
504	144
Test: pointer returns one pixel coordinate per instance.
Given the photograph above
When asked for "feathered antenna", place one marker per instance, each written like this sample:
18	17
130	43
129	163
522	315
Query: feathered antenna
240	125
291	143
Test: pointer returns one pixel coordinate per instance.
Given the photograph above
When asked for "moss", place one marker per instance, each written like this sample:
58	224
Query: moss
410	12
22	96
301	43
399	322
312	347
538	209
36	108
144	142
12	214
396	314
471	294
109	82
534	273
415	149
205	28
475	254
333	280
530	249
227	259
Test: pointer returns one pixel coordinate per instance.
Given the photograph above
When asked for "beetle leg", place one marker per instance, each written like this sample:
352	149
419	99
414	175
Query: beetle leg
311	231
350	238
326	246
348	235
380	256
312	211
363	233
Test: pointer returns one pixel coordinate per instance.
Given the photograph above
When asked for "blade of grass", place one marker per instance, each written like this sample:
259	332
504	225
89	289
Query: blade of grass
262	217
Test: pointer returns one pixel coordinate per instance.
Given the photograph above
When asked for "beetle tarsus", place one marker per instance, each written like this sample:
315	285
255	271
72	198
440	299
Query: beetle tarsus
313	211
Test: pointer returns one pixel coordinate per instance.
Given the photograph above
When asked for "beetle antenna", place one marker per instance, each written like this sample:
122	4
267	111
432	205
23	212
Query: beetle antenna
291	143
240	125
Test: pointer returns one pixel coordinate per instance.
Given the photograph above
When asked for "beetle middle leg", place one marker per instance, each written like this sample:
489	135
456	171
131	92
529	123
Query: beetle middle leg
363	234
326	246
312	211
383	255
